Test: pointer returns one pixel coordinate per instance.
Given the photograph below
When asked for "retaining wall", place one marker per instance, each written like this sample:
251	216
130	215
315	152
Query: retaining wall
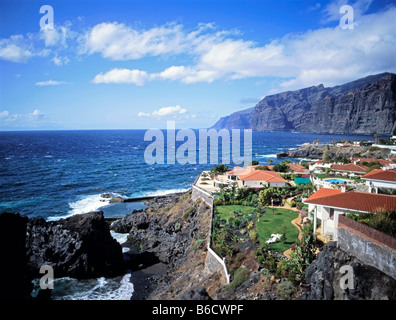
372	247
213	262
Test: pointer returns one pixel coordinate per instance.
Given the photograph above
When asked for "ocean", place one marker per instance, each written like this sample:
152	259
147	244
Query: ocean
56	174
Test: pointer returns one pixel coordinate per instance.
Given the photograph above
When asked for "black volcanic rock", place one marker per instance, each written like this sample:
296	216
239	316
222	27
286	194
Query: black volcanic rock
363	106
80	247
323	278
15	282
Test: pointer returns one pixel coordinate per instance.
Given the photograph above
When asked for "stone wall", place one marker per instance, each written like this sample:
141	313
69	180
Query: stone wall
372	247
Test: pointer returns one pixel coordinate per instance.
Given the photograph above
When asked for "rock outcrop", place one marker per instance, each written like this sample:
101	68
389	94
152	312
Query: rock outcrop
316	152
324	277
80	246
363	106
15	282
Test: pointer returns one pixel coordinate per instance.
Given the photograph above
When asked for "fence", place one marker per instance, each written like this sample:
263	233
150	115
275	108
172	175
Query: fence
371	246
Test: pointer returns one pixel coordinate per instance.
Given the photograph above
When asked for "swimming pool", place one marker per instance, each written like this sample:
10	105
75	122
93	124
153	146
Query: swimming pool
335	180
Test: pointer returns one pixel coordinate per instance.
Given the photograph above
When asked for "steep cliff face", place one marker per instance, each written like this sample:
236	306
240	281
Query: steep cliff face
240	120
364	106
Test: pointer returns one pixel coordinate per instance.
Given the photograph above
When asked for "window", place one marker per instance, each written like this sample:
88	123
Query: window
331	216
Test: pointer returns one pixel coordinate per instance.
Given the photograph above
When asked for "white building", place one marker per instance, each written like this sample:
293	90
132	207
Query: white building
328	204
379	178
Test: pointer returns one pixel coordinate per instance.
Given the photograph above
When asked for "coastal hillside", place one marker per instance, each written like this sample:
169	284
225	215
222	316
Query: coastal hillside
363	106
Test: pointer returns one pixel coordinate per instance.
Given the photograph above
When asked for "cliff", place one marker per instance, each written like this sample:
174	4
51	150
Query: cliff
239	119
363	106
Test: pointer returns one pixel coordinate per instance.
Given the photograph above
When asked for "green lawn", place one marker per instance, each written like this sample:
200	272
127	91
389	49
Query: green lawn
272	223
269	223
226	212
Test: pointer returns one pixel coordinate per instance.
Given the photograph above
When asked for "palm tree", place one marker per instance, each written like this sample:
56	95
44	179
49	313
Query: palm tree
376	137
269	161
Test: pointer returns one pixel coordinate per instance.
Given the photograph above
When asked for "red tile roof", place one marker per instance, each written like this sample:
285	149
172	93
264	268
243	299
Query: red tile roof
379	174
295	167
356	201
324	192
349	167
262	175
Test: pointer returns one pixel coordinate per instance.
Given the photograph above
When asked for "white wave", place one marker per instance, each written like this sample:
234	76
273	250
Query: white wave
266	155
87	204
120	237
118	288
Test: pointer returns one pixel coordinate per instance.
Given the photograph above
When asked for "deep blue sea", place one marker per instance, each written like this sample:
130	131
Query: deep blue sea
55	174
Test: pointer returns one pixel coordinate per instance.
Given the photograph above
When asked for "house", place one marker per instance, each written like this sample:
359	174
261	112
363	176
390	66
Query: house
388	164
328	204
250	177
262	178
297	168
349	169
379	178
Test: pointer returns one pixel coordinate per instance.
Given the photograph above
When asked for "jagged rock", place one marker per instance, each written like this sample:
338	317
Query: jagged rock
137	220
195	294
323	276
80	247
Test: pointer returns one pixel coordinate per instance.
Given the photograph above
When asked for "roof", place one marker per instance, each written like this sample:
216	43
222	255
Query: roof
382	162
323	192
357	201
262	175
379	174
295	167
349	167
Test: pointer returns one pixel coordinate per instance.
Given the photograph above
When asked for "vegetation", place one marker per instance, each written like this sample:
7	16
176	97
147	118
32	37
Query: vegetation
240	276
286	289
277	222
381	221
219	169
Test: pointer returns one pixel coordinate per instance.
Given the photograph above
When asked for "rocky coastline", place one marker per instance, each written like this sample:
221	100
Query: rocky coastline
165	253
316	151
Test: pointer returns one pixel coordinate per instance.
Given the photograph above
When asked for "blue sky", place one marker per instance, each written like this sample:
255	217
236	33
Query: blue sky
136	64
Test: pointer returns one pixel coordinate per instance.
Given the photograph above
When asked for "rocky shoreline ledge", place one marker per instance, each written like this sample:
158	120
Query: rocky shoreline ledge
313	151
165	253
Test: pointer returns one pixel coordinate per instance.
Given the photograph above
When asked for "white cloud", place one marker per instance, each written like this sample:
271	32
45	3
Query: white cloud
165	111
15	49
120	42
33	119
60	61
122	76
50	83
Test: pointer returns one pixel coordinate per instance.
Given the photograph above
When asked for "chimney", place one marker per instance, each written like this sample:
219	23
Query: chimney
343	187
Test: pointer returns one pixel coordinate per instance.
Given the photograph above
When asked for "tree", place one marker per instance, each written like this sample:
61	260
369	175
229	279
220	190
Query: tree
270	161
326	155
219	169
376	137
265	196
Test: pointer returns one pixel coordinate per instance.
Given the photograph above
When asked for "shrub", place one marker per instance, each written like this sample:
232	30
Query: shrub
286	289
240	276
186	214
253	235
